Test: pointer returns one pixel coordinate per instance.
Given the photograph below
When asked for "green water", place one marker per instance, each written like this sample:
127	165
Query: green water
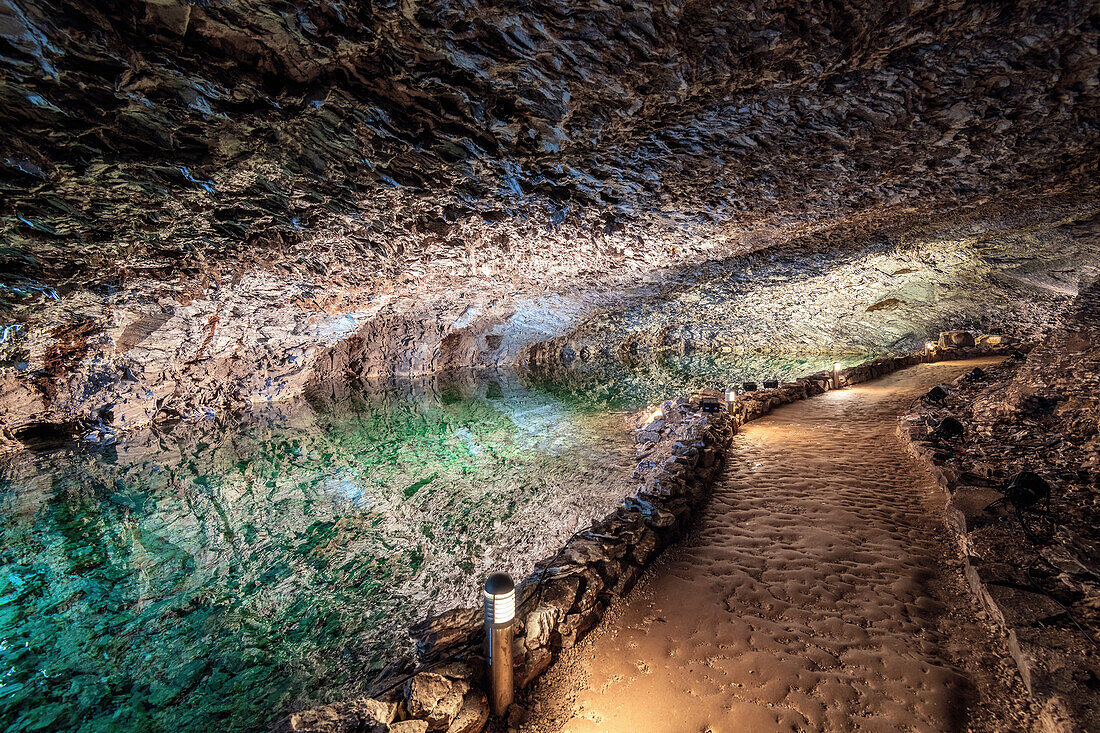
208	578
213	577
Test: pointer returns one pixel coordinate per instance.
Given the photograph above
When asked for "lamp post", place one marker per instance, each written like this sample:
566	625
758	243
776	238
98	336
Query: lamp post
930	348
836	375
500	612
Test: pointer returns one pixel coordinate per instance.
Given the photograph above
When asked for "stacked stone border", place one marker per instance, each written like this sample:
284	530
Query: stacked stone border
682	448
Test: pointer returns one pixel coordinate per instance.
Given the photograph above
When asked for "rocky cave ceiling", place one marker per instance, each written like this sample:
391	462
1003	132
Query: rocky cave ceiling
171	168
165	138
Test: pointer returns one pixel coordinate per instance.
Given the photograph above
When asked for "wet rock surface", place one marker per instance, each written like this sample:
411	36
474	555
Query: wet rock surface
1024	484
884	293
227	201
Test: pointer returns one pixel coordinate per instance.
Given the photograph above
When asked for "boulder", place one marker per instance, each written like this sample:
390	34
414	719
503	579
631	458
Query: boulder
437	636
517	716
590	591
956	339
539	625
582	551
358	716
565	635
535	663
409	726
645	547
434	698
473	715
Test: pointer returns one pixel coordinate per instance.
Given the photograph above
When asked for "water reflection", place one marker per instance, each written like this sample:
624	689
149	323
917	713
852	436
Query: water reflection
206	575
616	385
213	576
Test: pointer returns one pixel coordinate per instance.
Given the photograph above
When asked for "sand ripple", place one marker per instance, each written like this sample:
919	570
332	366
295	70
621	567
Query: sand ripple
818	591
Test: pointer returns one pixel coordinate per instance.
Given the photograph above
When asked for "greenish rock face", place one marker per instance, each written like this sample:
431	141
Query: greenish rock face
211	577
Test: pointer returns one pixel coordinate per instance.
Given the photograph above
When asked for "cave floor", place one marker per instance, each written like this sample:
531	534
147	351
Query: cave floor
817	590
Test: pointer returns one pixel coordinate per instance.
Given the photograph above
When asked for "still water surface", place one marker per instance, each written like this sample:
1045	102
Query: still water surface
206	576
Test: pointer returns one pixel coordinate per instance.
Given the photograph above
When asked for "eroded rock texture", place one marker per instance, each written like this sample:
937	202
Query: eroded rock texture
1034	556
212	204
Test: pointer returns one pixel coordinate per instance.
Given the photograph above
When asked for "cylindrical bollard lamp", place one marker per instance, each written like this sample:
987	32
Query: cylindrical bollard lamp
500	612
836	375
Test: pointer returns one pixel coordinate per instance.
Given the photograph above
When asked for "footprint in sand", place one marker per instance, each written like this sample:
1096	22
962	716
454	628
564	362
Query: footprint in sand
814	591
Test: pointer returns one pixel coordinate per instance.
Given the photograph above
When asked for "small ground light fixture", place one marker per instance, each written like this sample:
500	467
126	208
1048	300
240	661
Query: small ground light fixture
500	613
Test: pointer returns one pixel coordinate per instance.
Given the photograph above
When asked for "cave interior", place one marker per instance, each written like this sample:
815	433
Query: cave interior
314	313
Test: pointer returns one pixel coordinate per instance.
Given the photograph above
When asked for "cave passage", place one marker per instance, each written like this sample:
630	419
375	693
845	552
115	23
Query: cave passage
315	313
209	573
817	591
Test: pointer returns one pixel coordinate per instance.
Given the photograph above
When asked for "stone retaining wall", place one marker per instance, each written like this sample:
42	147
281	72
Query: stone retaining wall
681	451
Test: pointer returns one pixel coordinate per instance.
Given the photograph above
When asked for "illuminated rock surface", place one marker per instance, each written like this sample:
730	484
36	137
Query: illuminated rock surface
1036	564
210	209
219	196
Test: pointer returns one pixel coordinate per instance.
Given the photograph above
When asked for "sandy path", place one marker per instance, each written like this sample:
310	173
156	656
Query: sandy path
817	591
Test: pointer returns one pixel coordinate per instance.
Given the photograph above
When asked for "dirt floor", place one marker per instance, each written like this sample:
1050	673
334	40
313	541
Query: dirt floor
818	591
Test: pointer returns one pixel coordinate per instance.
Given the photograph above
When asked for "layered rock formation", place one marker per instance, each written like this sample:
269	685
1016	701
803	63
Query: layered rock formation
882	293
211	204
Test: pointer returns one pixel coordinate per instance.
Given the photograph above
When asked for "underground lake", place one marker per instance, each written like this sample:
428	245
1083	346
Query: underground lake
218	572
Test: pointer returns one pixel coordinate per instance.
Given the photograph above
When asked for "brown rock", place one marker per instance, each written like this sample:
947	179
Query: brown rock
473	715
434	698
517	716
962	339
535	663
565	635
540	623
359	716
440	634
645	547
409	726
590	592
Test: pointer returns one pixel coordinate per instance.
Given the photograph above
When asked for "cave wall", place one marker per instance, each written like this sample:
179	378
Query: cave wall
1016	277
214	204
